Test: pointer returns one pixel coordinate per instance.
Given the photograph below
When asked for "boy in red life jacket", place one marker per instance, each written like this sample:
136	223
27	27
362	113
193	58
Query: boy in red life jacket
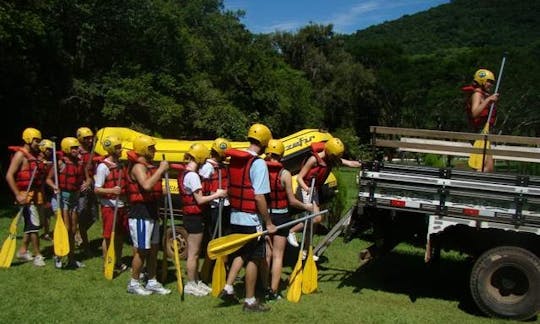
479	103
211	172
193	200
281	197
70	180
87	206
46	212
318	166
110	187
28	191
145	192
248	186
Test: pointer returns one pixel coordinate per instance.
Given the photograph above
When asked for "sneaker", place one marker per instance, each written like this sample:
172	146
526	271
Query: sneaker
138	289
120	267
26	256
304	256
271	295
291	238
228	299
191	288
57	262
157	288
75	265
46	237
255	307
202	286
38	261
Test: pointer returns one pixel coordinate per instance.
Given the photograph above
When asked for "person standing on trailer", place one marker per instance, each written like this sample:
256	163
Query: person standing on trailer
478	105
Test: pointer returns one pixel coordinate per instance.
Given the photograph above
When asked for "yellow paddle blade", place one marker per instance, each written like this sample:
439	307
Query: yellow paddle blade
179	283
295	282
61	239
226	245
219	276
475	159
310	274
14	223
8	251
206	270
110	260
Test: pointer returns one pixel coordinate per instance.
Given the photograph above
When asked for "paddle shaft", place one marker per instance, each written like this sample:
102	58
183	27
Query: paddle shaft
111	252
179	284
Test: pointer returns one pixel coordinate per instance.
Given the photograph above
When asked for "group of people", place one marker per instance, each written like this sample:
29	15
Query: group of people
247	194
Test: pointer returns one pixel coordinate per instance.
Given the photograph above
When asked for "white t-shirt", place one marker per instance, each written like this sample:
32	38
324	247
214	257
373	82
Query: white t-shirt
102	172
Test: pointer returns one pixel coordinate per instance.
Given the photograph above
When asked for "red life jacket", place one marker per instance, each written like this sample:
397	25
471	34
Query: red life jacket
212	184
136	194
479	121
111	180
278	194
189	204
72	175
84	156
240	190
24	174
320	170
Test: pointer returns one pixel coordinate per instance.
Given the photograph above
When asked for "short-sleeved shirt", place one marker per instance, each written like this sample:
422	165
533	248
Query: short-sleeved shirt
192	182
206	172
102	172
260	181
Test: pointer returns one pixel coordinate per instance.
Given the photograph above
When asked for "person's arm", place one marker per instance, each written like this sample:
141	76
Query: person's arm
101	176
478	104
147	183
286	181
310	163
351	163
194	184
16	163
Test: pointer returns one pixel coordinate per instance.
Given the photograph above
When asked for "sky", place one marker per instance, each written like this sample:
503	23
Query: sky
347	16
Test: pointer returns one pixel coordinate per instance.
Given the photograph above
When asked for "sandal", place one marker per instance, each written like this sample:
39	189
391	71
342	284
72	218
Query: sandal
120	267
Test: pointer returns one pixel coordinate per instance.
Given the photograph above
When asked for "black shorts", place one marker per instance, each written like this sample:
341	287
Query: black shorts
193	223
279	219
252	250
144	211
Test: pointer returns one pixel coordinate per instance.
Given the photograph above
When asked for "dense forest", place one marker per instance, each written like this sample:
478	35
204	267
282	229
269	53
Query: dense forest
190	69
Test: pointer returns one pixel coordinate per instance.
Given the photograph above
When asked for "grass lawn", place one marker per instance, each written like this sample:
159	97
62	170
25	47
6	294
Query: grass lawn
397	288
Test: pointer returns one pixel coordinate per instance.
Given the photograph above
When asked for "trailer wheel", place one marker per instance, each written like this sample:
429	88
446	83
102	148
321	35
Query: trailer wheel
181	238
505	282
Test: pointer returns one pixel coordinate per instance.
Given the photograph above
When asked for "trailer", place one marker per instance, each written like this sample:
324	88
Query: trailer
492	217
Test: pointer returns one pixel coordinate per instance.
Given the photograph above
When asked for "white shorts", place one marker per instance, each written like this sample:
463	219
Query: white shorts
144	232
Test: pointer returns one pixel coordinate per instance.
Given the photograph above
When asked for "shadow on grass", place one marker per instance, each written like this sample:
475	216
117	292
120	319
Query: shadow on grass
402	273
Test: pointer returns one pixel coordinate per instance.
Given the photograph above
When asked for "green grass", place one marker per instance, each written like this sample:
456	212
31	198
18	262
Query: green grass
398	288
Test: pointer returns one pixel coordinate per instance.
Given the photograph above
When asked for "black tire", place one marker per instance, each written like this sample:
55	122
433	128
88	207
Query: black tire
181	238
505	282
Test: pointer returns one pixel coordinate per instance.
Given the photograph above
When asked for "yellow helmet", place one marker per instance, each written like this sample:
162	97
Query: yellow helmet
198	152
260	133
482	76
67	143
83	132
142	143
110	142
29	134
220	145
334	148
275	147
46	144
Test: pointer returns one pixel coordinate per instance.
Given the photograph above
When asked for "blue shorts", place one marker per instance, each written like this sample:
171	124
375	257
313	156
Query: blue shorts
31	218
144	233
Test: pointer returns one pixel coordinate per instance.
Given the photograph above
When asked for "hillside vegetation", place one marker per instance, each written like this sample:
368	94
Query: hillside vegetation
190	69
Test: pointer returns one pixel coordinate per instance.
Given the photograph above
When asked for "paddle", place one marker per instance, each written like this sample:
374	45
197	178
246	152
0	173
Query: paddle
295	281
226	245
477	160
110	259
219	275
164	260
310	272
61	238
179	283
8	247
